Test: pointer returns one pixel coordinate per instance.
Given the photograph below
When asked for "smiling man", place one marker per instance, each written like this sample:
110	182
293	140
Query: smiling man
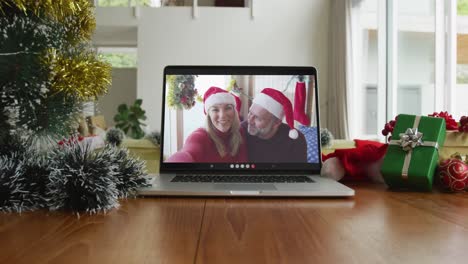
268	138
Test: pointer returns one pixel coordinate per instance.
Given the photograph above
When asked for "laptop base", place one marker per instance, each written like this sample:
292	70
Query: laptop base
321	187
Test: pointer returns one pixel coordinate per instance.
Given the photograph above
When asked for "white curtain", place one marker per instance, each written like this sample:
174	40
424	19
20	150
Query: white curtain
340	70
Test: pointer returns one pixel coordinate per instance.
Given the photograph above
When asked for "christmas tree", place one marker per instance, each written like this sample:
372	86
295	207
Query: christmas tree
48	69
47	66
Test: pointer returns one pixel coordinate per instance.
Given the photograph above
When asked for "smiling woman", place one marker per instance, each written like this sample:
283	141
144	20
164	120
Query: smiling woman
222	116
222	139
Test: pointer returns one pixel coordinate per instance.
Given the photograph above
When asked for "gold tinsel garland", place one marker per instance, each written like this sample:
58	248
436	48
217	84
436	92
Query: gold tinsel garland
81	75
76	14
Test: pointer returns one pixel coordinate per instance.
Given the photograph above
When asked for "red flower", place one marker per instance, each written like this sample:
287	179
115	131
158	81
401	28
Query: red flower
451	124
183	100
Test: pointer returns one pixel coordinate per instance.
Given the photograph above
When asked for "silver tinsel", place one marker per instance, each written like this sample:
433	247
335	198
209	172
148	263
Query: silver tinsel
326	137
36	171
19	189
114	136
130	172
81	180
71	177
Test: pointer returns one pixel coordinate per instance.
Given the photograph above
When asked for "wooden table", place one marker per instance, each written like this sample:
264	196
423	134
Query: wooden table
376	226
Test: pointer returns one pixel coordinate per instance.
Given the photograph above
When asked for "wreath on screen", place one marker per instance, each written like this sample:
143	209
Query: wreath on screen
181	91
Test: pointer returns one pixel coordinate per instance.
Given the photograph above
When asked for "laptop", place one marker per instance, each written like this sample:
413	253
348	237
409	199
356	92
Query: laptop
267	145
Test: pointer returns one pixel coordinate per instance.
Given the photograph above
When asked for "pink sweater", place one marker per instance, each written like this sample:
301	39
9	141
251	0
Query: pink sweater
200	148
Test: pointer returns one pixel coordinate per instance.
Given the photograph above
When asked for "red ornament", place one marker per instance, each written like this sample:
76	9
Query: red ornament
454	175
463	124
388	128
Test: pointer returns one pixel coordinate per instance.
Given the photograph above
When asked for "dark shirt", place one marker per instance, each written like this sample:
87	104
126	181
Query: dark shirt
278	149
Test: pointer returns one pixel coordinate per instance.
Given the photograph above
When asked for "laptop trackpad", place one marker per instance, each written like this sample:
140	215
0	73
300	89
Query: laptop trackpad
245	187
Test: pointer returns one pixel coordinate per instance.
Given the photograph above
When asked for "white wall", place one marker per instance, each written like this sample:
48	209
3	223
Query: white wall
115	26
122	90
290	33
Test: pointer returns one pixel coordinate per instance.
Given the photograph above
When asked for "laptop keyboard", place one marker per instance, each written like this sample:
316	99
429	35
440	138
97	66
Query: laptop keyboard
242	179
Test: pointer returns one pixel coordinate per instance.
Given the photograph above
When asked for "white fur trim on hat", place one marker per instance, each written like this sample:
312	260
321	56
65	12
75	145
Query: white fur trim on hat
219	98
293	134
270	104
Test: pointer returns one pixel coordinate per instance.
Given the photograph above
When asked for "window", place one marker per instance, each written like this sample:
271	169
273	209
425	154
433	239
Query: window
408	57
116	3
461	90
414	88
368	75
119	57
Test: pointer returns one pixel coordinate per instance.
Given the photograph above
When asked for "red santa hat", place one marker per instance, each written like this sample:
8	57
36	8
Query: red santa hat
215	95
279	105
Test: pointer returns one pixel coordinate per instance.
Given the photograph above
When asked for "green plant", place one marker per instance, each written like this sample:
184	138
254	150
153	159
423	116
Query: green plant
128	119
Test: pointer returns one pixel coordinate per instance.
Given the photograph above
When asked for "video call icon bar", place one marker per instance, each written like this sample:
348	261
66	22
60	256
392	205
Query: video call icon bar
242	166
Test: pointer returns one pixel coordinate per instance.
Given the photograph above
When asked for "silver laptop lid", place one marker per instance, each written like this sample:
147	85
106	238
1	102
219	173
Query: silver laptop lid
240	119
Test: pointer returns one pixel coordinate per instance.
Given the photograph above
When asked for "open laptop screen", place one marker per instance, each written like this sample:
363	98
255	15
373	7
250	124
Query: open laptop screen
240	118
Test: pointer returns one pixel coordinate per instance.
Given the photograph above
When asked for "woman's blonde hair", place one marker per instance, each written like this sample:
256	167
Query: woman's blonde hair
235	140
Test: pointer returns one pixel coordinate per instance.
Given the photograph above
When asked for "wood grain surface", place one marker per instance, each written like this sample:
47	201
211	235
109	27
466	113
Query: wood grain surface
156	230
376	226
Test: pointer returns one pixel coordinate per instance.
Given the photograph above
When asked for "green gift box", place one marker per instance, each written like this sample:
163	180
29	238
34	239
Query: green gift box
412	154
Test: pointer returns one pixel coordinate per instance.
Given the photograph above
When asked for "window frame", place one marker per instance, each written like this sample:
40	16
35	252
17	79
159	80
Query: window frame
445	65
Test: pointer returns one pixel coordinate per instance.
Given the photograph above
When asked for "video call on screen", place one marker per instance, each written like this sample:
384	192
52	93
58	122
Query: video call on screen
184	110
